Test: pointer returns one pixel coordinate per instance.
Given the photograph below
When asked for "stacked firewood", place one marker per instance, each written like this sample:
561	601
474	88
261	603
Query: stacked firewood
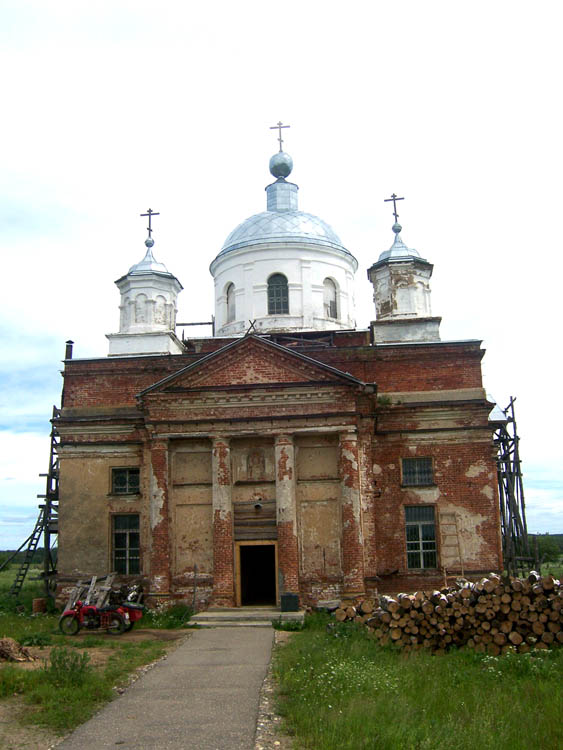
490	616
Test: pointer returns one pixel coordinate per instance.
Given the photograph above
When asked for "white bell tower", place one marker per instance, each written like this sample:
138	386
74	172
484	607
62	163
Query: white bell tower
147	320
401	292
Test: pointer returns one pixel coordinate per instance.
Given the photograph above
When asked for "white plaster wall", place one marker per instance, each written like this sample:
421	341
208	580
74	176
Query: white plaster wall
130	344
151	295
305	267
402	290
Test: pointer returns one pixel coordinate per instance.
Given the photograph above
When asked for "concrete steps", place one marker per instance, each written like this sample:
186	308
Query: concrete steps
250	617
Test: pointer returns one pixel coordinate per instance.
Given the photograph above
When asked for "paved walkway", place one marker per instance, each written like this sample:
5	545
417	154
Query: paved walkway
204	696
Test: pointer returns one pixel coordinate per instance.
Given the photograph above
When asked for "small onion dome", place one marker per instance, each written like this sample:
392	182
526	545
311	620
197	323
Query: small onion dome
149	264
398	250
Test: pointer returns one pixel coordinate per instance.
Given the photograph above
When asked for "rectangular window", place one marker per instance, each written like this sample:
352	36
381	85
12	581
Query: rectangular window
421	537
126	544
124	481
417	472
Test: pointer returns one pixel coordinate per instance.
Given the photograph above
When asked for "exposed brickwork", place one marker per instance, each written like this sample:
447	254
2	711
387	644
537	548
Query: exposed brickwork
464	474
159	517
288	546
223	538
288	556
223	560
352	538
256	390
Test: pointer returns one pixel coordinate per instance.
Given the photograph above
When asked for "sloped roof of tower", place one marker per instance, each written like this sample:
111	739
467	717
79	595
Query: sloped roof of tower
149	264
282	222
398	250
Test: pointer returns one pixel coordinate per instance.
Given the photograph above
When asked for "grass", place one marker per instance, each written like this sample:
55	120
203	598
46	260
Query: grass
67	690
341	690
554	568
32	589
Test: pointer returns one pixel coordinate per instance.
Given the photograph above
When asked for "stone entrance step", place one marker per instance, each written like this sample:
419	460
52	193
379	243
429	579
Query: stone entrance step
232	617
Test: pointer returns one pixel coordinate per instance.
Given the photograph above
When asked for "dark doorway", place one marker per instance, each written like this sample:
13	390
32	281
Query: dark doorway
258	575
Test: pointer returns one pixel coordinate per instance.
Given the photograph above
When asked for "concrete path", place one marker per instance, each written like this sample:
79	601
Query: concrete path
204	696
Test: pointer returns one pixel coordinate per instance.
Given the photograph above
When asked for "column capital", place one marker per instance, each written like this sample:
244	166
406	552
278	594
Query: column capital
158	441
284	439
220	440
348	437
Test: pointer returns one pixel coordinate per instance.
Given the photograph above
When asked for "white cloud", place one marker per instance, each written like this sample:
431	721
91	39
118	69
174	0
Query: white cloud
114	107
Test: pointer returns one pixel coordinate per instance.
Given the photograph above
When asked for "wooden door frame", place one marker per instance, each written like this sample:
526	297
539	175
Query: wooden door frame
254	543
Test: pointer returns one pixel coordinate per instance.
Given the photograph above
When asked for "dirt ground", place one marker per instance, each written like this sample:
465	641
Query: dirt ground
16	736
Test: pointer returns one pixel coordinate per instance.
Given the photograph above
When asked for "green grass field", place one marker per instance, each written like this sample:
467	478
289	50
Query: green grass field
344	691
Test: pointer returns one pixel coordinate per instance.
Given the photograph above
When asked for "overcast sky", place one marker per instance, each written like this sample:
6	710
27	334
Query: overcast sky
112	107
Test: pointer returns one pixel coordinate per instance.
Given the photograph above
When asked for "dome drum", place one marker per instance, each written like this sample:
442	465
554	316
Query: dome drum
305	268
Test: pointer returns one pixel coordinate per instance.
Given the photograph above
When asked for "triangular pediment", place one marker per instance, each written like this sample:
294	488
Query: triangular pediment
252	361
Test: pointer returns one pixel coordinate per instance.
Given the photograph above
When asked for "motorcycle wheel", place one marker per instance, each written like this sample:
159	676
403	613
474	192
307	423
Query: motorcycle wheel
116	625
129	627
69	625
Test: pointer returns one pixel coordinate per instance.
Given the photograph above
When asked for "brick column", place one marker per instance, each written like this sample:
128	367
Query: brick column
352	541
288	549
159	517
223	541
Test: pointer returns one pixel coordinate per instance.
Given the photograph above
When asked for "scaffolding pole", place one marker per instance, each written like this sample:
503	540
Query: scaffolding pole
518	556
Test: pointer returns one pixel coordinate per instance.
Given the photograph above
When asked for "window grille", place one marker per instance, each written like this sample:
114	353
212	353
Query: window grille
124	481
278	295
421	537
126	544
417	472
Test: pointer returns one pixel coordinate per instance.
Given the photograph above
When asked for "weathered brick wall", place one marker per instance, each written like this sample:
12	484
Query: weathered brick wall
116	382
465	483
455	435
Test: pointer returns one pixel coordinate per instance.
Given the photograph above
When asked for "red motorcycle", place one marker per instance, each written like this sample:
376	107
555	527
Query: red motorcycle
113	619
129	599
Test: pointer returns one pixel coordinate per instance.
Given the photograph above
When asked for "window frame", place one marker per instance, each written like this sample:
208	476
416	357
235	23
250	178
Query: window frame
278	295
330	304
231	303
130	557
426	549
130	488
417	480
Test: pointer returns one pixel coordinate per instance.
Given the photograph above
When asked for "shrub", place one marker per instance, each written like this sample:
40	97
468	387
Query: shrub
67	668
36	639
168	618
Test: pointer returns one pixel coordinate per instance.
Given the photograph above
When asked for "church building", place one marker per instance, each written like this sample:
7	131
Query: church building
291	452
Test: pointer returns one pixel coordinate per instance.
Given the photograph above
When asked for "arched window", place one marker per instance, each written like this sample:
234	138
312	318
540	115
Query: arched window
231	305
278	296
329	298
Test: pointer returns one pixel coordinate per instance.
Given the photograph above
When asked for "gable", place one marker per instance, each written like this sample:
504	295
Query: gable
252	361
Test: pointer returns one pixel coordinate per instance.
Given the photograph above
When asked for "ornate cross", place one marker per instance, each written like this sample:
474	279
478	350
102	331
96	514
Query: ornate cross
150	214
394	199
279	127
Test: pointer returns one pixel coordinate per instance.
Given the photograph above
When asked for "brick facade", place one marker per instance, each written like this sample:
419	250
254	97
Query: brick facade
319	434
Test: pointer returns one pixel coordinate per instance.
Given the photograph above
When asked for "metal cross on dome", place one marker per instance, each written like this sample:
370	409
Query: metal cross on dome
279	127
150	213
394	199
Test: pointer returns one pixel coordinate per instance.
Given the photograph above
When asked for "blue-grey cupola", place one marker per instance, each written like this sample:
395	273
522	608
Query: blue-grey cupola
312	270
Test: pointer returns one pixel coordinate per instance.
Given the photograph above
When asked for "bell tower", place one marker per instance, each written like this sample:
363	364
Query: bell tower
401	292
147	319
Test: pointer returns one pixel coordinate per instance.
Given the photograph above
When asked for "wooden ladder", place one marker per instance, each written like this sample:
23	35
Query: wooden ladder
450	539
